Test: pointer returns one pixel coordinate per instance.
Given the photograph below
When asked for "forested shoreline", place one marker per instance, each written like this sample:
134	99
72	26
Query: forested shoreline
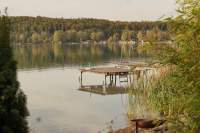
49	30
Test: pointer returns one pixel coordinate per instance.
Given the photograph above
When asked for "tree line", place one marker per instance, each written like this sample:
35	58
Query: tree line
48	30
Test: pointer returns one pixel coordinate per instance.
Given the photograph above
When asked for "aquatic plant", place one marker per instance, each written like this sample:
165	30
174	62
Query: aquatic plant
177	94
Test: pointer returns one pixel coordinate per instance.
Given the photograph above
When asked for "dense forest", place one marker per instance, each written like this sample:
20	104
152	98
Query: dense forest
48	30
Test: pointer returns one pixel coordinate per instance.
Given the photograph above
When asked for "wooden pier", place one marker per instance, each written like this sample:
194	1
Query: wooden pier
122	75
112	72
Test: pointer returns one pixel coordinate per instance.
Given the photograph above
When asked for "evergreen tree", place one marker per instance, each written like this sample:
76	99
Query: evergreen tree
13	110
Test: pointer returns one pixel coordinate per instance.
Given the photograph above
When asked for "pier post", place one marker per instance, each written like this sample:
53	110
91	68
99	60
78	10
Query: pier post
110	79
81	78
115	80
105	80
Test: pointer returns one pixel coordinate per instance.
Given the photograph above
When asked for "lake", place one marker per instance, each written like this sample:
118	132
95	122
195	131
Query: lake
49	75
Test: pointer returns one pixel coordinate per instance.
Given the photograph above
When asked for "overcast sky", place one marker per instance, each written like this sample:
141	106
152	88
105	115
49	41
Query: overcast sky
126	10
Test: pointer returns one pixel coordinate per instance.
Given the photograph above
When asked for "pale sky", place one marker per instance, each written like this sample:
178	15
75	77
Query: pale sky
124	10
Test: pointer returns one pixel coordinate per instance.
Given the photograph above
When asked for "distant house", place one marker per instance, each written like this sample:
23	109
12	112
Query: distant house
142	42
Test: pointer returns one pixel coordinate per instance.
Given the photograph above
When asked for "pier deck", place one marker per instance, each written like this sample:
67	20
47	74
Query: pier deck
107	70
123	73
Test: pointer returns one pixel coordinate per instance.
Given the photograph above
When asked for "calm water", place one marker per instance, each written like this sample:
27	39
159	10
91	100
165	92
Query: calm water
49	77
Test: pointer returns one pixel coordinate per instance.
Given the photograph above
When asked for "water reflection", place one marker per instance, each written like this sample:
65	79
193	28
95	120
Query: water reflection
55	104
102	90
57	55
53	97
